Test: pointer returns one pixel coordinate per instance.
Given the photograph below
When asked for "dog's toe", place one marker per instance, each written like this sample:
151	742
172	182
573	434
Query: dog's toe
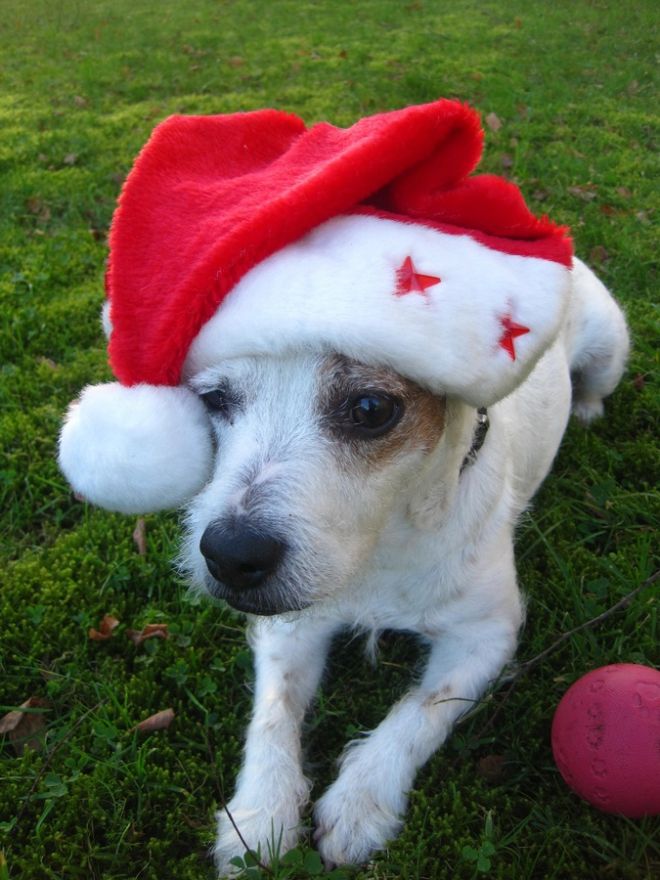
259	830
351	826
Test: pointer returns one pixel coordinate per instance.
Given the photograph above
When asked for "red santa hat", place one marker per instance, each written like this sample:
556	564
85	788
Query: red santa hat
251	234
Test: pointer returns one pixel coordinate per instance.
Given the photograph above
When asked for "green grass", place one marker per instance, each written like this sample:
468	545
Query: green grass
83	83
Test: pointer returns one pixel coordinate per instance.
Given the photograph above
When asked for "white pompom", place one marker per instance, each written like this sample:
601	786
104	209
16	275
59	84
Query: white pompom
137	449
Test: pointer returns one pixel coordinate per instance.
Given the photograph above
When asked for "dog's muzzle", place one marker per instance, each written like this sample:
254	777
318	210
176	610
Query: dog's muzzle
242	561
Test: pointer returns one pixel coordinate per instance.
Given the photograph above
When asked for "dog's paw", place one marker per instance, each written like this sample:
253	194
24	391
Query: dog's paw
588	409
262	831
352	823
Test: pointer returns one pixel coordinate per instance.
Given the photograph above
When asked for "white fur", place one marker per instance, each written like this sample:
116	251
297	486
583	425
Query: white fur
336	287
412	543
136	449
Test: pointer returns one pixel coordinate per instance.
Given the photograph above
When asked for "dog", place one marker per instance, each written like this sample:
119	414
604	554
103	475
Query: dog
353	364
346	495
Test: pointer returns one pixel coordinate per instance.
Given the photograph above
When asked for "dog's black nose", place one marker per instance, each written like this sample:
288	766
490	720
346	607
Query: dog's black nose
240	556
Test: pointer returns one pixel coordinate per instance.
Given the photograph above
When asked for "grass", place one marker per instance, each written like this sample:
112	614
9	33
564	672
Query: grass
83	83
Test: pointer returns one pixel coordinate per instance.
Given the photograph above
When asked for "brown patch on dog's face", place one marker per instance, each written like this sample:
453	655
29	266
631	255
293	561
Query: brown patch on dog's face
374	413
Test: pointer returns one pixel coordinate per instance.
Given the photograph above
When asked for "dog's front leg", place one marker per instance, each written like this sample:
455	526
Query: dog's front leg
364	807
271	789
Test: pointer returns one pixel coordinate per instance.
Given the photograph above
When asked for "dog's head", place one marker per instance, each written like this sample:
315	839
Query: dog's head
316	452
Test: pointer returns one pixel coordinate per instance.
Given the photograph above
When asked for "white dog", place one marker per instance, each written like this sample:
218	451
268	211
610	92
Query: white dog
348	496
356	410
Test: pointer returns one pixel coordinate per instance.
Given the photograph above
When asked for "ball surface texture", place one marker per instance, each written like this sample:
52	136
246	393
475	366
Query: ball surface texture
606	739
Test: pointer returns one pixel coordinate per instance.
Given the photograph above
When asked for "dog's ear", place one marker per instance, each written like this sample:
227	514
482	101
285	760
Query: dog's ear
137	449
437	480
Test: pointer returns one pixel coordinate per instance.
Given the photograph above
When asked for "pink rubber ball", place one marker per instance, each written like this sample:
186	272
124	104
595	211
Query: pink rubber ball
606	739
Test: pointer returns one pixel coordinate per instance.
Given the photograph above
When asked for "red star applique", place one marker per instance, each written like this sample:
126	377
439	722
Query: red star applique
410	281
511	332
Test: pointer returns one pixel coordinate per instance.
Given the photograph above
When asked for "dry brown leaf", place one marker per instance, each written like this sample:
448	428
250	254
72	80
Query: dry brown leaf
624	192
25	728
79	101
598	254
586	192
70	159
150	631
140	536
105	630
491	768
39	208
493	122
507	160
159	721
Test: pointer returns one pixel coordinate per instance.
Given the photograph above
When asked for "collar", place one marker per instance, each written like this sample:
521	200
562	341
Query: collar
478	438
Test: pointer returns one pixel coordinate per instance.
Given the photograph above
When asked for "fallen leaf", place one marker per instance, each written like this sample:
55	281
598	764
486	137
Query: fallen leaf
159	721
79	101
507	160
639	382
540	195
70	159
493	122
236	61
25	728
140	536
491	768
586	192
598	254
39	208
106	627
150	631
624	192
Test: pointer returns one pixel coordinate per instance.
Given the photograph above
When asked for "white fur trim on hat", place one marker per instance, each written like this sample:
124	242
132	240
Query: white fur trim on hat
473	326
137	449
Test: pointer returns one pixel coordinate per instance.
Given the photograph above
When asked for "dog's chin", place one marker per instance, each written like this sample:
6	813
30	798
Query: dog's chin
254	601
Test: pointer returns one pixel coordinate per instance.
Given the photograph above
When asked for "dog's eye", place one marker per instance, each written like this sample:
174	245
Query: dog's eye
374	414
220	401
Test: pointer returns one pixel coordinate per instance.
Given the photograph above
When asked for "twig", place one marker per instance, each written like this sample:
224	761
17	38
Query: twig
626	600
524	668
223	806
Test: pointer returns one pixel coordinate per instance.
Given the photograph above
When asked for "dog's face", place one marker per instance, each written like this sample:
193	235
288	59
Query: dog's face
314	452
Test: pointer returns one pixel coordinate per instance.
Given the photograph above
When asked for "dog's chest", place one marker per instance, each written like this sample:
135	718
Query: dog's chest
409	579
